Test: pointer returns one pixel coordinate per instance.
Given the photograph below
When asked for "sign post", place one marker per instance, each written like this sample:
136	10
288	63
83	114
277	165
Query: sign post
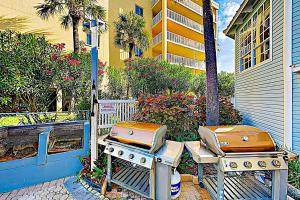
93	26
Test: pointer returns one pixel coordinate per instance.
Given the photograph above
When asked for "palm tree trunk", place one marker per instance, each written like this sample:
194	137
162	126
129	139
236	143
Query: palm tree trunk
75	23
212	96
131	46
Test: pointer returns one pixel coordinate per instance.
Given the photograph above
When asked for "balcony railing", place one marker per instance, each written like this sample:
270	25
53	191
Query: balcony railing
191	5
159	57
186	61
157	39
185	41
184	20
157	17
154	2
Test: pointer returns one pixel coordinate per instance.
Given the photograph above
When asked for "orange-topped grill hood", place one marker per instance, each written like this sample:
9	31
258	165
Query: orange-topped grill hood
226	139
147	135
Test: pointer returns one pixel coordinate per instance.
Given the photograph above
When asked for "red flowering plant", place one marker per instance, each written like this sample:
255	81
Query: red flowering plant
72	75
176	110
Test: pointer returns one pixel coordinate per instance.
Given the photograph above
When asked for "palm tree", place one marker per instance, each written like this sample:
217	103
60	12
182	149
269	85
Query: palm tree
130	32
212	95
72	13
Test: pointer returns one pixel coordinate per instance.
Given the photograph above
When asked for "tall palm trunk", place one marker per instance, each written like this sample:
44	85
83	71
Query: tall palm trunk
212	96
131	47
75	24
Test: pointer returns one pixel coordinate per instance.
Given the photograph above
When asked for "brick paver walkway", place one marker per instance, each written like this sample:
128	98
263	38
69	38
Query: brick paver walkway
56	190
50	190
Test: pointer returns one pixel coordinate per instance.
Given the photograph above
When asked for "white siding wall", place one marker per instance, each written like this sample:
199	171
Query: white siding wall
260	89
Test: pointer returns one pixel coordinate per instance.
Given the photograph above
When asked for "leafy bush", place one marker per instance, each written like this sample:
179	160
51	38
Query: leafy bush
116	86
149	76
226	84
228	114
182	113
294	173
176	110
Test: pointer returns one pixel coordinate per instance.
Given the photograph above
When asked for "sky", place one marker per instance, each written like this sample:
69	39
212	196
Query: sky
225	54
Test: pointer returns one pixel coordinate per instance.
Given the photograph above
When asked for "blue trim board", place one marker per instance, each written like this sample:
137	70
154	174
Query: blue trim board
26	172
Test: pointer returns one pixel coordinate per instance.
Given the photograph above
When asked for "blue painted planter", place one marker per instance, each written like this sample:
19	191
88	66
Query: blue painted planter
43	167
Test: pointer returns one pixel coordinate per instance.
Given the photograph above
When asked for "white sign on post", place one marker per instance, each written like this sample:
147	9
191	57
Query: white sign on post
107	108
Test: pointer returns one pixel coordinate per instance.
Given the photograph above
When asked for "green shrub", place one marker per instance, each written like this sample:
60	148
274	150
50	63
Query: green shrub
294	173
226	84
150	77
117	84
182	114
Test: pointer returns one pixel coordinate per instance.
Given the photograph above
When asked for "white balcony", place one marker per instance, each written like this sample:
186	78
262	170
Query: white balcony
191	5
159	57
185	21
178	39
157	18
157	39
193	63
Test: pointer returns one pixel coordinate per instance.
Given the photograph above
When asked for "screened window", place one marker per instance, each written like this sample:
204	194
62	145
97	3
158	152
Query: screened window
255	38
139	10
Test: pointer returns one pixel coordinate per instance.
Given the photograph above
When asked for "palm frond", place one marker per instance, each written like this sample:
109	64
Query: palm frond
65	21
49	8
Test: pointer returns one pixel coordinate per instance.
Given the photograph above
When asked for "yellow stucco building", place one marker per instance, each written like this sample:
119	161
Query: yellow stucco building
176	27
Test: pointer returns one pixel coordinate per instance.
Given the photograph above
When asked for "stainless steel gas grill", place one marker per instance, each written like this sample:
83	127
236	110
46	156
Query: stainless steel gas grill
146	159
239	153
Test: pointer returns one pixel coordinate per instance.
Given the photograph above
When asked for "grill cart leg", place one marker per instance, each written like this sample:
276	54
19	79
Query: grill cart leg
109	166
220	186
163	181
200	175
279	186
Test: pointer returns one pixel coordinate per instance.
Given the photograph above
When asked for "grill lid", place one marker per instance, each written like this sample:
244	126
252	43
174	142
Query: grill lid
146	135
221	139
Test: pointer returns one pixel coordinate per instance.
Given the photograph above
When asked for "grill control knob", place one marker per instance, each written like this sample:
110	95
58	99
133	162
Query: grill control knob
143	160
233	165
276	163
120	153
247	164
111	149
131	156
262	164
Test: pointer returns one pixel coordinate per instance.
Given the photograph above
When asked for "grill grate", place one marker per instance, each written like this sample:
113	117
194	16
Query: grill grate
238	187
133	179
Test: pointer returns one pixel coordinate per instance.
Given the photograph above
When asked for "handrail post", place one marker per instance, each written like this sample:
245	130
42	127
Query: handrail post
43	147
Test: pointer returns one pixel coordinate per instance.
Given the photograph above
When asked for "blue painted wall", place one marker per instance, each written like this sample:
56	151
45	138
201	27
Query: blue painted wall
296	76
43	167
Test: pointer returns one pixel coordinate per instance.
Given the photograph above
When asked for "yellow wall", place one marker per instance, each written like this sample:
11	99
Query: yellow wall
31	22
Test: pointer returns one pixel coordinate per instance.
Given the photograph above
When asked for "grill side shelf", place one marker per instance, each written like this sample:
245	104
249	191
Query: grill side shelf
136	180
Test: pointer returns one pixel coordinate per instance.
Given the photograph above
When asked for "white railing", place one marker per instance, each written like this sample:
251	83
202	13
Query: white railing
186	61
156	19
154	2
114	111
185	21
159	57
191	5
185	41
157	39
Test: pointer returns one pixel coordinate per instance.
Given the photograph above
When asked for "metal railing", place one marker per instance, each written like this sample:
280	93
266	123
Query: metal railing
193	63
156	19
157	39
114	111
191	5
154	2
185	41
184	20
14	119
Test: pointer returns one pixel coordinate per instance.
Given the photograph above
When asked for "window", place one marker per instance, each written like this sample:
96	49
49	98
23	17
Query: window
139	10
255	38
